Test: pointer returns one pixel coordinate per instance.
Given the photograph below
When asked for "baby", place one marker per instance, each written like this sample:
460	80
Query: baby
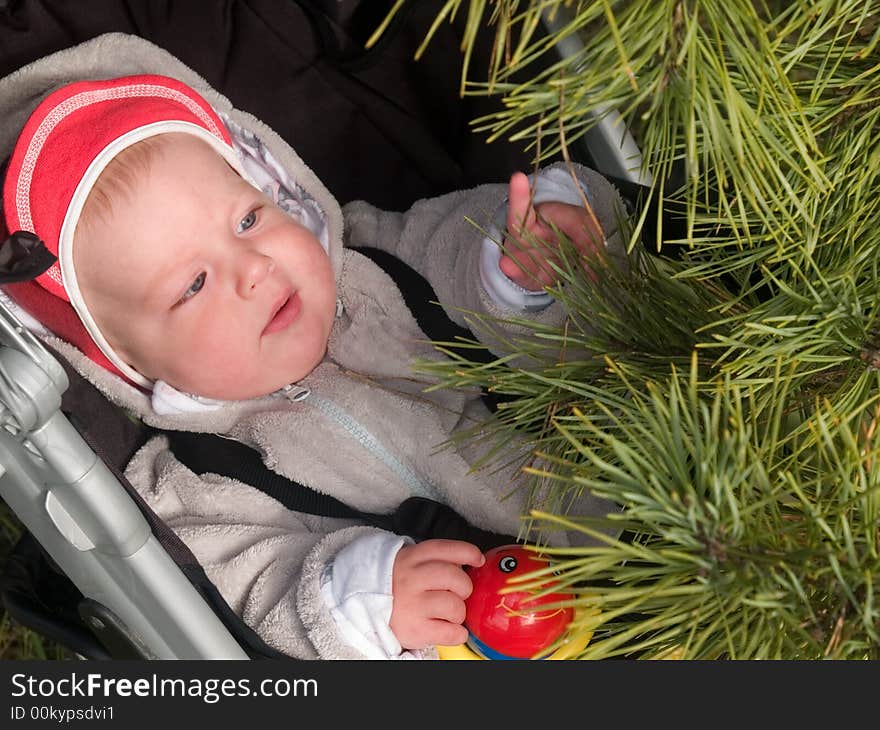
208	282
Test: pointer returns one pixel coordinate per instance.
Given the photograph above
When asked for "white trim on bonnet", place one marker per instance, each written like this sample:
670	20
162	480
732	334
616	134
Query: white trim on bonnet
74	210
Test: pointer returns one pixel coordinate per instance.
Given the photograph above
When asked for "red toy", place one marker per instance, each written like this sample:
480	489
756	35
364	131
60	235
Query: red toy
510	625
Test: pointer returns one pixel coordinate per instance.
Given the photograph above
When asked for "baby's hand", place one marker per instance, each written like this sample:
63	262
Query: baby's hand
429	586
532	243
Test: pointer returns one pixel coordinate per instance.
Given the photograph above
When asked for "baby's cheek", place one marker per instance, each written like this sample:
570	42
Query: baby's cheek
211	366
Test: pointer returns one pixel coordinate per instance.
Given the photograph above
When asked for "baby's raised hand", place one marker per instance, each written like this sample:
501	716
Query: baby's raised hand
429	586
531	243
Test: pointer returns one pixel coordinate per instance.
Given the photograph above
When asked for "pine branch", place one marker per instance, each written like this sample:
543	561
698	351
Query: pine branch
727	402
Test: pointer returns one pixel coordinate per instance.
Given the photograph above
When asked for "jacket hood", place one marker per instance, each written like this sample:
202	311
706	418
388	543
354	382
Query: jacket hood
117	54
114	55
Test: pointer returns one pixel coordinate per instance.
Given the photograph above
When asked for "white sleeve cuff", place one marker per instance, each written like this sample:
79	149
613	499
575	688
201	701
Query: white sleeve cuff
357	590
554	184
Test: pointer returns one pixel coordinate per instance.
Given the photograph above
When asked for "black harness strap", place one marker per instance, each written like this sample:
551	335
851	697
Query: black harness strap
417	517
206	453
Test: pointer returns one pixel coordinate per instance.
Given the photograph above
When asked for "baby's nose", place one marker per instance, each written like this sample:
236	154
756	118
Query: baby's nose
255	267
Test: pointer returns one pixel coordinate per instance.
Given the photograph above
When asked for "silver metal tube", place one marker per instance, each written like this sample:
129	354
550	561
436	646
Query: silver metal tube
83	517
609	142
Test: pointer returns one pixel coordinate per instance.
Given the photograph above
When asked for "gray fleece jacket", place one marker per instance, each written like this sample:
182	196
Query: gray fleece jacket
367	432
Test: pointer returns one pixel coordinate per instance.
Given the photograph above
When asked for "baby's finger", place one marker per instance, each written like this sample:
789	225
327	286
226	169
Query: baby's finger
456	552
587	239
438	575
580	227
520	211
444	606
510	269
444	633
532	274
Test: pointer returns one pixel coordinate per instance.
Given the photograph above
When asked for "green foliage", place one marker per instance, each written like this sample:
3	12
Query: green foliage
727	401
750	541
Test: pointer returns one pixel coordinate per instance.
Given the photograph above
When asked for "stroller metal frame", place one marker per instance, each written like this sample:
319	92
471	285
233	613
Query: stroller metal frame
608	143
84	518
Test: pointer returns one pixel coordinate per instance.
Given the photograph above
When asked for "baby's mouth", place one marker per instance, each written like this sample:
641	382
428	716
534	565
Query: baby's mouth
285	312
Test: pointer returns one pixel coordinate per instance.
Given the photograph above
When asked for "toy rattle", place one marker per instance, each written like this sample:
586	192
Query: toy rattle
512	625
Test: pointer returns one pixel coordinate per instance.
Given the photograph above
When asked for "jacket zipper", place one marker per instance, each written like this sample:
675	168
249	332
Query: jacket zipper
417	485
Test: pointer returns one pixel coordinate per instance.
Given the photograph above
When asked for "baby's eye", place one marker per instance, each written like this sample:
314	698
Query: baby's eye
247	222
194	288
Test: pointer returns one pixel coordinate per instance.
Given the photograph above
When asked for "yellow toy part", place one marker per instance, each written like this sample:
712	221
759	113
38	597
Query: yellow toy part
570	648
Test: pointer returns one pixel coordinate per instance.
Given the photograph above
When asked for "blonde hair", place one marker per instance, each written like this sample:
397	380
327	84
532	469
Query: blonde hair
119	179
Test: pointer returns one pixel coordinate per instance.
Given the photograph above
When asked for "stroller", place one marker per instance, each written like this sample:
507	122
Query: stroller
97	571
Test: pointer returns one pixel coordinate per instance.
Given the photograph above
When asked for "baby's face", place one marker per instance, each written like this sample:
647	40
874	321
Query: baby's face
199	280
